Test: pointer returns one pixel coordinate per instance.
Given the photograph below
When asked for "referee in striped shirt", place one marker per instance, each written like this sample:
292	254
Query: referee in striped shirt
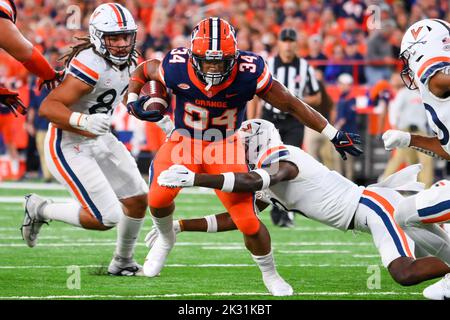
298	76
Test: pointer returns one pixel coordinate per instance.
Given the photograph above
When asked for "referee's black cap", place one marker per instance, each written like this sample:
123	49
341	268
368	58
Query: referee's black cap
288	34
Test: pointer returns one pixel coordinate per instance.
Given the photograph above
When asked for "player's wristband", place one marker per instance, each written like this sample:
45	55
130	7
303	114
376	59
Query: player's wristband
77	120
132	97
228	182
329	131
211	222
264	176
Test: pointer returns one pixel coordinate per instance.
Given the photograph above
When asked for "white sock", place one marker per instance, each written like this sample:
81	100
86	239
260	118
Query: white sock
211	222
65	212
165	227
127	234
15	167
266	264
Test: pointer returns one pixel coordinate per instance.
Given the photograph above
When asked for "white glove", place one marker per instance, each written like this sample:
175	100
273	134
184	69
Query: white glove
396	139
177	176
153	234
97	123
166	125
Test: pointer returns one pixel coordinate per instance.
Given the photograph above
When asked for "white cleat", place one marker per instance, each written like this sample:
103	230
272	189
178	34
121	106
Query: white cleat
440	290
277	286
156	257
32	221
120	266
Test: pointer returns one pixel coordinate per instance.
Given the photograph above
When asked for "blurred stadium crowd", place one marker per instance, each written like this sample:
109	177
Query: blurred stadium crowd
360	39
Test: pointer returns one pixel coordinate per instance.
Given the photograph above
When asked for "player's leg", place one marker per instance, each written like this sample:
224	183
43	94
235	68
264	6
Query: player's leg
375	216
96	205
120	169
242	209
418	216
256	237
161	200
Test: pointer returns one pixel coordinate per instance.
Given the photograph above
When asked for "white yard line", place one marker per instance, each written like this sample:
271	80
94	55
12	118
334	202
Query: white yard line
313	251
219	294
206	245
206	265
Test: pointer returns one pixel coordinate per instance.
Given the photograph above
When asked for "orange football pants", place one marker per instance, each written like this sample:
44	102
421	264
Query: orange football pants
201	156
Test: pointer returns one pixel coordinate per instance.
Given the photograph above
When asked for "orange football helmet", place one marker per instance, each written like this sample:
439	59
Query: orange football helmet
213	40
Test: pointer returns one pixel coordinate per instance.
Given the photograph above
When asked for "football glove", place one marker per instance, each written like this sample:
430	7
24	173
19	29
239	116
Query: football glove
97	123
51	84
396	139
136	109
153	234
345	142
12	101
177	176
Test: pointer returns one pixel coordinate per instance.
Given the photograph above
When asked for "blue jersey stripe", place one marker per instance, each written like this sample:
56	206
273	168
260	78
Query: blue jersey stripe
387	222
82	76
72	175
437	208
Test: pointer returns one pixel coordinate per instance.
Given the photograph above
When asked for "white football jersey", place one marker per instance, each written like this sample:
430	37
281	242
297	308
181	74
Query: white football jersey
110	84
438	113
317	192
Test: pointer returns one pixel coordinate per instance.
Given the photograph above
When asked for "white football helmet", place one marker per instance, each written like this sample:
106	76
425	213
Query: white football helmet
425	48
112	19
258	135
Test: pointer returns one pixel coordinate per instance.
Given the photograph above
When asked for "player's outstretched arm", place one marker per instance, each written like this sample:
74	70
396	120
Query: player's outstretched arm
13	42
400	139
220	222
280	97
180	176
56	109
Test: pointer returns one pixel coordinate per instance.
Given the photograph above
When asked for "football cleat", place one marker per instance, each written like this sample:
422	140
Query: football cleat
277	286
120	266
440	290
156	257
32	221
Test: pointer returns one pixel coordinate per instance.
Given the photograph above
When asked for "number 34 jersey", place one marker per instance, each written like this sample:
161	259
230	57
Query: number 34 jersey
109	83
219	111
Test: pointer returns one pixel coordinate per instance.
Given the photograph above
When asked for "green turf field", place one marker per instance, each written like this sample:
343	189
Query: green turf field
319	262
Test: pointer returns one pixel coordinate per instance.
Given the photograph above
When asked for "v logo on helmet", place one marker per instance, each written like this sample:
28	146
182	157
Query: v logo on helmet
415	33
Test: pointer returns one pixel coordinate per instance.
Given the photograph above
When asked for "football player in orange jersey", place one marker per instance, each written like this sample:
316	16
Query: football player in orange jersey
14	43
212	82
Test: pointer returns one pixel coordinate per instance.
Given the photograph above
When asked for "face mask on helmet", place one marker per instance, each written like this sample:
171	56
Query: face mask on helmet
213	68
258	136
407	74
119	46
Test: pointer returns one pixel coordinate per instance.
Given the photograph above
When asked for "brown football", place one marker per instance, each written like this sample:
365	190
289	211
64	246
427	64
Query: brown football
159	99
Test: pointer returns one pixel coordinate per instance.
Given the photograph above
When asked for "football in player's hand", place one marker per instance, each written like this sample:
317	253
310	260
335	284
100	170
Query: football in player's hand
159	99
